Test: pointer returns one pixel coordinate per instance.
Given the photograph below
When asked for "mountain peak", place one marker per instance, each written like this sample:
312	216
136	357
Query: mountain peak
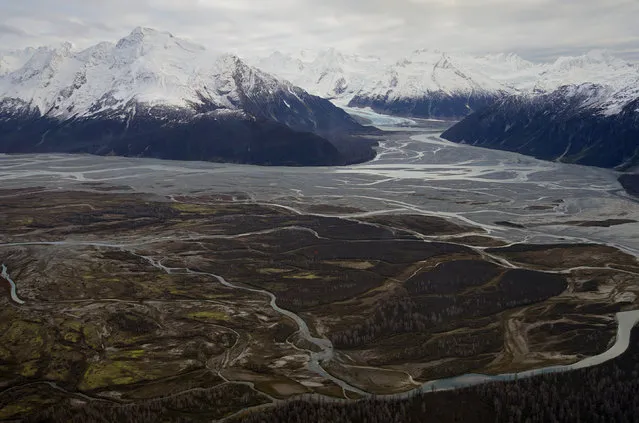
152	93
427	51
142	35
14	59
329	58
229	60
144	30
145	39
589	59
141	32
430	56
600	55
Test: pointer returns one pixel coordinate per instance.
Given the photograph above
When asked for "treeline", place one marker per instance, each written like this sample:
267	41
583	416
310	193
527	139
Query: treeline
425	308
606	393
195	405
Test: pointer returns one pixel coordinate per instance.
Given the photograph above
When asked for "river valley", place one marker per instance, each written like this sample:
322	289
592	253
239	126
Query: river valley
139	280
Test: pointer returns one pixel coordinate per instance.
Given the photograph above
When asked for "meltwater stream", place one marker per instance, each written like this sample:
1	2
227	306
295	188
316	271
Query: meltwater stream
415	172
316	359
626	321
326	351
14	293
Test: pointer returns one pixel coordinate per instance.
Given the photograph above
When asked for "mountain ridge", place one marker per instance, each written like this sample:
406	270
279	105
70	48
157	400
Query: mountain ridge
588	124
434	84
151	82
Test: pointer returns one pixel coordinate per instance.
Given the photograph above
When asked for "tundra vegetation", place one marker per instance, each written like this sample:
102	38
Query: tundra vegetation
126	316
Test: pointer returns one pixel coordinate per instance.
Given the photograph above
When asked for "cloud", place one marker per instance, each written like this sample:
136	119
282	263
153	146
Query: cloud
11	30
536	29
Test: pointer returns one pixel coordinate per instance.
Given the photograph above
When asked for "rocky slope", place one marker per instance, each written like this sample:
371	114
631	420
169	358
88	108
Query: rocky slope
155	95
587	124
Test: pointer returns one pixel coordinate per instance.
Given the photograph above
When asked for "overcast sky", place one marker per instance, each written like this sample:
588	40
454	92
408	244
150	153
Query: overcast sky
536	29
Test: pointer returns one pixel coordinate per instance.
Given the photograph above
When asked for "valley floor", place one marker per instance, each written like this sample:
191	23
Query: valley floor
193	291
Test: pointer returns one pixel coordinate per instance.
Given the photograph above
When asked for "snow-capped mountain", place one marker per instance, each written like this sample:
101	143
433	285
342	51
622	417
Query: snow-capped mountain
589	124
14	59
329	74
432	83
598	67
579	109
139	95
429	83
155	84
582	109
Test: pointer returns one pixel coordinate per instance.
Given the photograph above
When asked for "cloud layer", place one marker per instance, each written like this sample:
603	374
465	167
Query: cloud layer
536	29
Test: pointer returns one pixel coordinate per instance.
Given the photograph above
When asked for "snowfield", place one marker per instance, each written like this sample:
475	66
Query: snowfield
147	66
156	68
432	72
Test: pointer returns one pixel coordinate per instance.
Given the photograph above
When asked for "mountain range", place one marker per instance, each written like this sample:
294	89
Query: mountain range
580	109
155	95
588	124
436	84
138	96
